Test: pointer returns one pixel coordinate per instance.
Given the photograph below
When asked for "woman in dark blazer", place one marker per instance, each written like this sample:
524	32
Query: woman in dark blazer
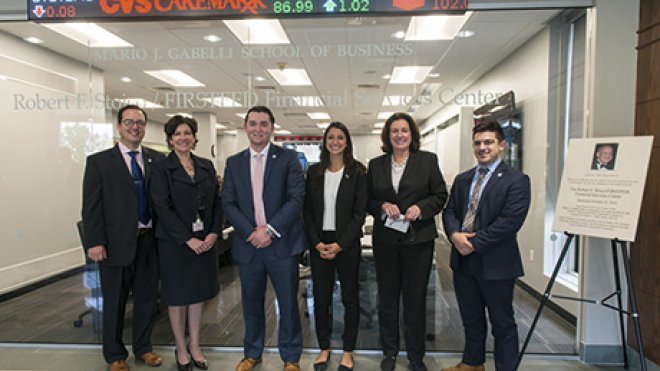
185	195
335	208
405	187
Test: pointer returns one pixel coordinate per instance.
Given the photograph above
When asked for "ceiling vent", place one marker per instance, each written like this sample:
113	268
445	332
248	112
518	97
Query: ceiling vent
368	86
264	87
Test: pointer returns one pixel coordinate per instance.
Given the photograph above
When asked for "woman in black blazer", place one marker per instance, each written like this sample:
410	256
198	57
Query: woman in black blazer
185	195
405	187
335	208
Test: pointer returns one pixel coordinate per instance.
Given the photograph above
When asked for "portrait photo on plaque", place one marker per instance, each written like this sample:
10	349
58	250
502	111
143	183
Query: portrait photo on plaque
604	156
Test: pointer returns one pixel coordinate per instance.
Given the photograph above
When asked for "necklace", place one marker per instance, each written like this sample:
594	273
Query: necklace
400	164
188	166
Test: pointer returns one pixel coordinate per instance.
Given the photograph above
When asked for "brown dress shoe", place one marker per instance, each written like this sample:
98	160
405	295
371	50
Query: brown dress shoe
463	367
150	359
291	366
120	365
247	364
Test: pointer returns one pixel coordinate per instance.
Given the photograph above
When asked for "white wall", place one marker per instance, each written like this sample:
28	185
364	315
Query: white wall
612	29
43	159
525	72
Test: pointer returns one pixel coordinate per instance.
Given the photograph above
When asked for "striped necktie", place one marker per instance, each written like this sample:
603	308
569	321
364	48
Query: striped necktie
468	222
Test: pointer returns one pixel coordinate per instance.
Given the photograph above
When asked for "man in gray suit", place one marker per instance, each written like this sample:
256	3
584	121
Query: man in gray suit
118	233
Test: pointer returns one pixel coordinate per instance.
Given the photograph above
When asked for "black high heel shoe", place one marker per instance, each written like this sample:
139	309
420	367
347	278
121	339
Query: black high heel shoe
202	364
182	367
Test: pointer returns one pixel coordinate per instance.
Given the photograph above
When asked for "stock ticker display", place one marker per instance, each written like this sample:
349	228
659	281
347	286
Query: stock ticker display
63	10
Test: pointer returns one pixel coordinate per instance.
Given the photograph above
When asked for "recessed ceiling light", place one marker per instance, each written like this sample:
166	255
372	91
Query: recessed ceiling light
386	76
290	76
376	131
322	125
435	27
126	79
282	132
33	40
399	34
241	115
212	38
379	125
260	78
231	132
318	115
89	34
3	77
384	115
175	78
409	74
465	34
220	126
433	75
258	31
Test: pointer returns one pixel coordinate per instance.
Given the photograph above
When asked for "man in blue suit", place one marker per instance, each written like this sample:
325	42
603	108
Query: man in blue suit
262	197
487	207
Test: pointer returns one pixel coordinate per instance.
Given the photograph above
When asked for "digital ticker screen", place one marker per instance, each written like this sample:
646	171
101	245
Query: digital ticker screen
62	10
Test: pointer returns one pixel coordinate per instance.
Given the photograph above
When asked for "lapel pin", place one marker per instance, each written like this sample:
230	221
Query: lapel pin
274	156
347	176
499	175
148	160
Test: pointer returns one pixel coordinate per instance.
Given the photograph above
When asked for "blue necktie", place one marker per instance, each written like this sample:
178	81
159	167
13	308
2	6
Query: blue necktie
143	201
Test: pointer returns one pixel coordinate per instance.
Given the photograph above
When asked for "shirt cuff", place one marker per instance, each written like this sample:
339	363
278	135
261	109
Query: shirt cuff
273	231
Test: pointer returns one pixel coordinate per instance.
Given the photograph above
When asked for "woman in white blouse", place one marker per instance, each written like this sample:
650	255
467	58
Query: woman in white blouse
335	208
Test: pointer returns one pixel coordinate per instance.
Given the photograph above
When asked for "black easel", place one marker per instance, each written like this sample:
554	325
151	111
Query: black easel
619	307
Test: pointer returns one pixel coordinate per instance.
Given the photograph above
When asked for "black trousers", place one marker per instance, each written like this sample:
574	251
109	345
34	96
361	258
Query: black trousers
474	296
140	278
347	266
402	271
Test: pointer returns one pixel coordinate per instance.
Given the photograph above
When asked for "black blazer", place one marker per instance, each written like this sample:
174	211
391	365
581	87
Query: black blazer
421	184
177	199
110	204
501	212
350	207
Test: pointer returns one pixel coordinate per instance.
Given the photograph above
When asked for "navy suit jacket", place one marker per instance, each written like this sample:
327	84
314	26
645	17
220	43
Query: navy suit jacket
499	216
284	191
110	204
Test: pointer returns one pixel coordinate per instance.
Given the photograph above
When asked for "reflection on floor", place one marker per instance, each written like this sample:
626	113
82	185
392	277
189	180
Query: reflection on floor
46	315
89	359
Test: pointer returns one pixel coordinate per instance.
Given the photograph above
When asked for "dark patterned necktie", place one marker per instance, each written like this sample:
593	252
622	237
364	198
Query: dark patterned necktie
138	178
468	222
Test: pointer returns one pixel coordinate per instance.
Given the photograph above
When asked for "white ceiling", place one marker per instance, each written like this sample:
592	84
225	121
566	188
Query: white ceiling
355	83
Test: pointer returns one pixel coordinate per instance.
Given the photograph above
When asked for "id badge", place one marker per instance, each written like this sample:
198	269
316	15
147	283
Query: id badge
198	225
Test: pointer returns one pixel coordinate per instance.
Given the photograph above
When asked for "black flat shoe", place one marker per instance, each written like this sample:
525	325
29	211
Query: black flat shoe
182	367
322	366
388	364
346	368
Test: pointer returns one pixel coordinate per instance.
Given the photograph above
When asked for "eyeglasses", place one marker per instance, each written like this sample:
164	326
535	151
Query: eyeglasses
129	123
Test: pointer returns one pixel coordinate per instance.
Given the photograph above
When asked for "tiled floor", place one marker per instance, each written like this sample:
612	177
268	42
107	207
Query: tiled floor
88	358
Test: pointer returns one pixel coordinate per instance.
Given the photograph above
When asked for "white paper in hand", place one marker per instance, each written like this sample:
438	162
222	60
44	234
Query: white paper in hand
399	224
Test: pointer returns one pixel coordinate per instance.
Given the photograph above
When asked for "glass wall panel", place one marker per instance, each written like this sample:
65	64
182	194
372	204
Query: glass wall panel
60	97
